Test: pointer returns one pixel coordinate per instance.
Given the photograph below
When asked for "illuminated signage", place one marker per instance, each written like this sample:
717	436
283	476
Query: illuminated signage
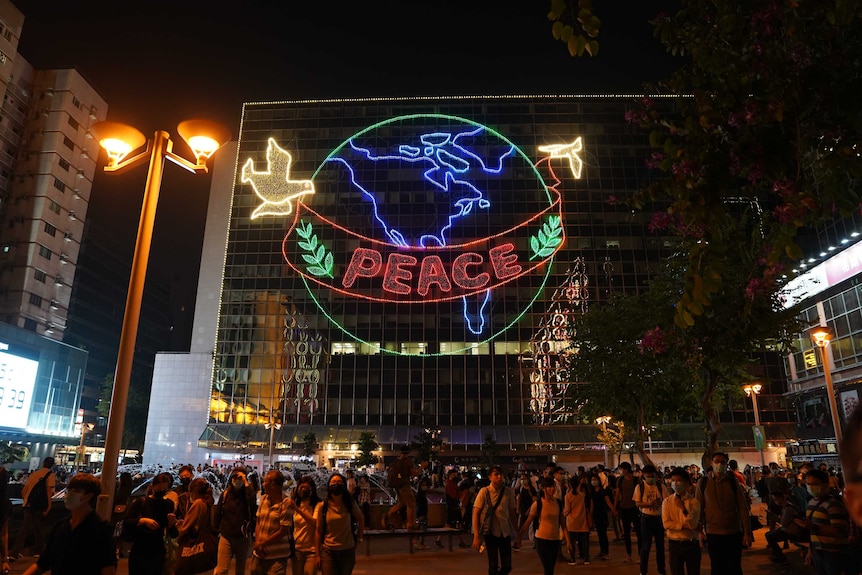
418	211
17	378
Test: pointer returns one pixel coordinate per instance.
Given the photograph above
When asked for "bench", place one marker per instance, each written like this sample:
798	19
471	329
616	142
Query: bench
370	534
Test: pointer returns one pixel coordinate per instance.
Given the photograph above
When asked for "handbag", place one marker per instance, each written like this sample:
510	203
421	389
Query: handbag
198	553
489	516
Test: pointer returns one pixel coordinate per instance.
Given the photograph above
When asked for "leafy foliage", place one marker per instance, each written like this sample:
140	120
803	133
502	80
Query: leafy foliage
367	444
137	411
490	451
427	442
575	25
766	110
309	444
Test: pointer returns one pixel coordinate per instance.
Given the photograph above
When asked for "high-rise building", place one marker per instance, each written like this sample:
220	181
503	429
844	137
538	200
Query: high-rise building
47	163
406	266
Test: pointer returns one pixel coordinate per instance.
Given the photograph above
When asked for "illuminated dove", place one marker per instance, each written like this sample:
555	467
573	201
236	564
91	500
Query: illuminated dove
274	186
569	151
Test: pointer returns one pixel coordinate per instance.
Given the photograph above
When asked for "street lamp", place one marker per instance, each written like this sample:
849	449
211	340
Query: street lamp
272	426
85	427
119	140
822	335
753	390
604	420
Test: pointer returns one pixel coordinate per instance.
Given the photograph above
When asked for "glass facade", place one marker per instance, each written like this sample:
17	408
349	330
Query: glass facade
430	279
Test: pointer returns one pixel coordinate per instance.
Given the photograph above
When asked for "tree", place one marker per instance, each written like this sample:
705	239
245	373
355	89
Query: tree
575	25
137	411
613	435
309	444
644	369
490	451
427	442
367	444
765	109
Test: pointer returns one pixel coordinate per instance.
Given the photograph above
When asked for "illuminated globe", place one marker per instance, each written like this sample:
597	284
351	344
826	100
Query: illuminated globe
434	223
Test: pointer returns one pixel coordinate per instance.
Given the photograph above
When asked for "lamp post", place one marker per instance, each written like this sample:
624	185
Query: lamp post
753	390
822	335
118	140
604	420
272	426
85	427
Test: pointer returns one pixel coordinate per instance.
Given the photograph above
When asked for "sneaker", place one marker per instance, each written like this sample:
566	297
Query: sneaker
586	561
572	562
438	543
420	546
628	559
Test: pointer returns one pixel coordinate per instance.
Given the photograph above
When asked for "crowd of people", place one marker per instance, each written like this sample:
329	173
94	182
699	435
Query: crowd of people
664	518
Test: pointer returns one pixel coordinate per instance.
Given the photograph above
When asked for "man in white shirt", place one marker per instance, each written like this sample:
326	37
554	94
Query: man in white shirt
680	514
648	497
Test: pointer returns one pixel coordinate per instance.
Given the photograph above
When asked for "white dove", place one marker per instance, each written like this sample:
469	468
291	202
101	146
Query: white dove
569	151
274	186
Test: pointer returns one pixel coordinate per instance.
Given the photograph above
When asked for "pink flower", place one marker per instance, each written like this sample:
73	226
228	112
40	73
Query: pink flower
654	160
653	342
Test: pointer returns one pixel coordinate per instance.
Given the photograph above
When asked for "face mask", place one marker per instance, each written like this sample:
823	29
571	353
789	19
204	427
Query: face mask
73	501
159	494
650	480
594	482
336	489
814	491
720	468
185	481
679	487
238	483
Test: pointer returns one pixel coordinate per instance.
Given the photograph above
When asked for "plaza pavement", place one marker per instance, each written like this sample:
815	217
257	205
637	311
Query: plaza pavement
390	557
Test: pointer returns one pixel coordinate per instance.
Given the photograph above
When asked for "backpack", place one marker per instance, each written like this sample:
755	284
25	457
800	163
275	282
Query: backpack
37	499
398	473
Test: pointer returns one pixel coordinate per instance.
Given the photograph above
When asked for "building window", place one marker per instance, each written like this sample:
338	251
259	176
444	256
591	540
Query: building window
50	230
74	123
54	206
67	141
64	164
30	324
76	102
59	185
36	300
40	276
45	252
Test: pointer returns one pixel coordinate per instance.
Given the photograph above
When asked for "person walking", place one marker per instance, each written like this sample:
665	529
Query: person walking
648	496
526	496
578	519
727	526
303	504
551	524
680	515
336	539
398	477
147	522
36	496
235	515
626	507
452	496
83	544
272	528
601	505
494	511
828	523
197	517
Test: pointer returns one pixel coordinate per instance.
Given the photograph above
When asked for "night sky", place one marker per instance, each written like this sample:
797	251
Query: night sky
158	63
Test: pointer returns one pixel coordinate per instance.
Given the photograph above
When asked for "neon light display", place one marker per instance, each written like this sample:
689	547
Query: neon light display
419	216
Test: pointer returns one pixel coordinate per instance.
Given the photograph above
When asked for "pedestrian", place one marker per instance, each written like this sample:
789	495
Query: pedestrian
234	518
648	496
5	515
626	507
303	504
526	496
550	513
36	496
422	511
726	517
494	511
791	526
83	544
680	514
196	520
121	506
452	497
339	529
828	523
578	519
272	528
851	463
147	522
601	504
398	476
